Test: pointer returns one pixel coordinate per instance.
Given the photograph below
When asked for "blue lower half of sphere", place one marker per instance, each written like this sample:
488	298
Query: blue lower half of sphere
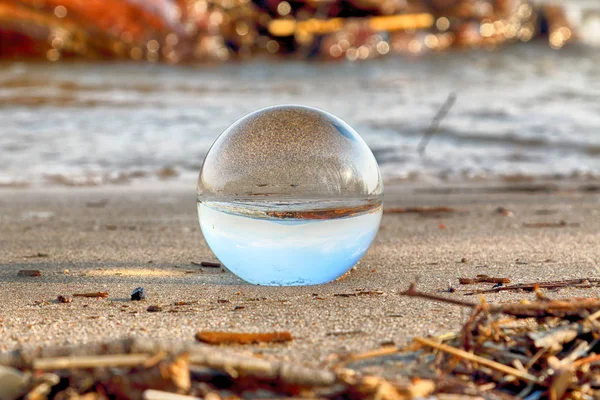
280	252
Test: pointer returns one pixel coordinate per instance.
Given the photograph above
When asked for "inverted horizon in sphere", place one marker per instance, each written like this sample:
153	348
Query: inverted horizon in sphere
279	252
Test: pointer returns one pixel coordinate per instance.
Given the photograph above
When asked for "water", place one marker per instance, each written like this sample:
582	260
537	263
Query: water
521	110
286	251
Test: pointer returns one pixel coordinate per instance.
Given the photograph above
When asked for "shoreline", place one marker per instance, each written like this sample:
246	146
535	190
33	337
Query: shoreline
115	239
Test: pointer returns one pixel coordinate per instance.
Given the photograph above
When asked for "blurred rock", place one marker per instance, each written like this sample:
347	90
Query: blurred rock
13	383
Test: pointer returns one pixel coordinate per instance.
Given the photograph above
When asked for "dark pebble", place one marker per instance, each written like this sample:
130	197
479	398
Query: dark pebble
64	299
138	294
154	309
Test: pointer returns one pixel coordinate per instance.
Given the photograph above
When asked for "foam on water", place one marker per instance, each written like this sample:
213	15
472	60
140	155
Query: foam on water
519	110
275	251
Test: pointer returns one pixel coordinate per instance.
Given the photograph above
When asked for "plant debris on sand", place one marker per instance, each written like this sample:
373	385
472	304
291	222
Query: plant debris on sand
539	349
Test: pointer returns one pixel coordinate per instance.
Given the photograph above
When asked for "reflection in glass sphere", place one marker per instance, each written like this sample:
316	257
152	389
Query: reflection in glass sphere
289	195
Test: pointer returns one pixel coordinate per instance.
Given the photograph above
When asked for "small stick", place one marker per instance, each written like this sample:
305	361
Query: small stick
257	367
534	359
468	328
207	264
29	272
559	224
345	333
592	318
151	394
587	360
384	351
480	360
412	292
84	362
37	255
210	264
213	337
581	283
198	355
435	122
93	294
482	279
537	309
361	293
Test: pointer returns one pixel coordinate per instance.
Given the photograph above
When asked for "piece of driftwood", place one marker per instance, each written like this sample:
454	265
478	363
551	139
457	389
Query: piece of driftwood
412	292
573	283
92	294
210	264
260	368
360	293
206	264
381	352
29	272
479	360
552	354
151	394
95	361
482	279
131	352
554	308
559	224
215	337
37	255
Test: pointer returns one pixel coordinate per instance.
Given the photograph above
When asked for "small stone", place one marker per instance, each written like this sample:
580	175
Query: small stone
64	299
451	289
154	309
505	212
13	383
167	173
138	294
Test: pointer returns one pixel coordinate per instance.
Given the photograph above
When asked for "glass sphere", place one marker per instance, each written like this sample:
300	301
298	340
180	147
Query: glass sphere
289	195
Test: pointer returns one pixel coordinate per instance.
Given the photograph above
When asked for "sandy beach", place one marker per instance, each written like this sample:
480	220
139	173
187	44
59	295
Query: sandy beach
115	238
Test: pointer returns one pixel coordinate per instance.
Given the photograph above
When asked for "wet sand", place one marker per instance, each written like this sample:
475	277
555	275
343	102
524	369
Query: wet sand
114	239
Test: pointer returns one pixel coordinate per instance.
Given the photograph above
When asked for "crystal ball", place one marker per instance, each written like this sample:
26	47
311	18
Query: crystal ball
289	195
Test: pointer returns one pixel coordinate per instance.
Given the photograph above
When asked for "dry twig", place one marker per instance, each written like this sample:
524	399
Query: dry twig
482	279
93	294
480	360
29	272
213	337
578	283
435	123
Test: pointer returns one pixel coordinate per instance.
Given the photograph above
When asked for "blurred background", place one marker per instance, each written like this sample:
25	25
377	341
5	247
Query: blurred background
96	92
